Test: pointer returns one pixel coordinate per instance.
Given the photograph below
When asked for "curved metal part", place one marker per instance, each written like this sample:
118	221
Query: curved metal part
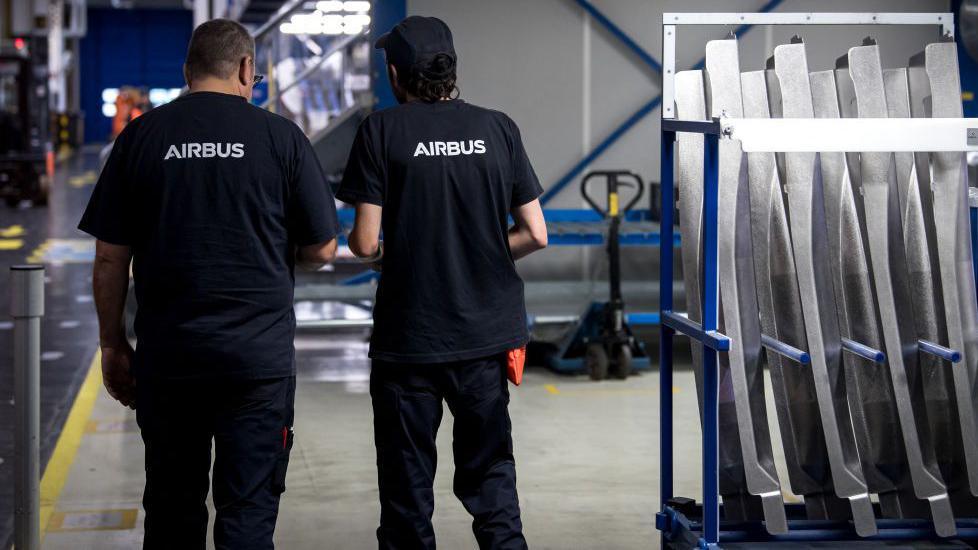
950	442
738	301
953	235
691	105
917	211
881	218
875	417
802	174
871	404
780	310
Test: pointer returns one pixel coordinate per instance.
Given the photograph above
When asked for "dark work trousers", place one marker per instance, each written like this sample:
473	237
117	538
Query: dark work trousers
250	423
407	402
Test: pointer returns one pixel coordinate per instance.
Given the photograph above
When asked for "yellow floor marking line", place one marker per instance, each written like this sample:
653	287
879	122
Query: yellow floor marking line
11	244
56	473
64	251
88	178
551	389
12	231
37	256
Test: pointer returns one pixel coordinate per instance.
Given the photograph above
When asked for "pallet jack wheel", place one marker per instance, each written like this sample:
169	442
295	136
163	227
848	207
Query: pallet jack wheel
596	360
623	362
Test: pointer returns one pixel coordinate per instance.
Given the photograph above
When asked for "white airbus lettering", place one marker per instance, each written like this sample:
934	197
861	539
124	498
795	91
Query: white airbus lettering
450	148
205	150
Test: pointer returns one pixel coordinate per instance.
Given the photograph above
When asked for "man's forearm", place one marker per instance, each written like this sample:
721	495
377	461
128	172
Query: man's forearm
110	284
522	242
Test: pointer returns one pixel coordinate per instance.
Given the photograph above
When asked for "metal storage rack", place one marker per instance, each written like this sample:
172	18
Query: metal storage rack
683	522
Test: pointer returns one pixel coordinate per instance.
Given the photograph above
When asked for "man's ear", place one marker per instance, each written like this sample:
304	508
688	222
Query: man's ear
243	76
186	75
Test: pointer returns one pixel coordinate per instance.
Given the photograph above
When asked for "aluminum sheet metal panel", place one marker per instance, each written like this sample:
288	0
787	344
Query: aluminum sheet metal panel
935	91
881	218
873	410
739	504
779	304
802	175
908	91
738	299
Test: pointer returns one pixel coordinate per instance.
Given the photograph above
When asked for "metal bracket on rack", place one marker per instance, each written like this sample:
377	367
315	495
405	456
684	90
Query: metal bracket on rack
681	324
864	351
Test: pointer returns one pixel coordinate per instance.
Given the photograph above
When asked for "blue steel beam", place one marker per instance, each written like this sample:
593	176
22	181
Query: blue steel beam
615	135
631	121
616	31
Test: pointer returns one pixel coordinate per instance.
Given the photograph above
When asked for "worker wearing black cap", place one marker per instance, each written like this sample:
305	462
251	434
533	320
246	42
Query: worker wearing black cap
440	177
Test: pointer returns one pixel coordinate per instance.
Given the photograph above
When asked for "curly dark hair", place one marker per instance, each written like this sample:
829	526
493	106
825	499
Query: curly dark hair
431	81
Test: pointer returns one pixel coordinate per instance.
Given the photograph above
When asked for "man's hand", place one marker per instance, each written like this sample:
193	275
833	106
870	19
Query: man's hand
117	374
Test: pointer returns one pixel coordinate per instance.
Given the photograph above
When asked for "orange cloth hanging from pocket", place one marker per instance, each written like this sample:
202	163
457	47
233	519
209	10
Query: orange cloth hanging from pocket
515	360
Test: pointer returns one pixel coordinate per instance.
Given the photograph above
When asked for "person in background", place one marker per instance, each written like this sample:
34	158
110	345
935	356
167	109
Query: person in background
214	201
440	177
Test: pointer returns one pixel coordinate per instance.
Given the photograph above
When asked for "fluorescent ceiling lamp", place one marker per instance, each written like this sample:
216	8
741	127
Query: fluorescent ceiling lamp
329	5
357	20
109	95
356	6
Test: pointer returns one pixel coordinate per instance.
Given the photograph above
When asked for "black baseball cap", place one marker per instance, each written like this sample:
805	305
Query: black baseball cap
416	40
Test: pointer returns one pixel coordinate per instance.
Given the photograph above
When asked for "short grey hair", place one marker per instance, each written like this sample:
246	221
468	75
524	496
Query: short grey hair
216	49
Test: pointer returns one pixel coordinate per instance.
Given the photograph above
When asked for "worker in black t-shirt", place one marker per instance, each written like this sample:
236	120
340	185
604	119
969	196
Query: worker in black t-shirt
214	201
440	177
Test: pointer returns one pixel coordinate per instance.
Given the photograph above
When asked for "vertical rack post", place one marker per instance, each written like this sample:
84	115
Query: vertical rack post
27	308
973	214
666	252
711	504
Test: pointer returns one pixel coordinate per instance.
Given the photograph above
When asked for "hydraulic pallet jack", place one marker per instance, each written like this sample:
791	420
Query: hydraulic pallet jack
602	342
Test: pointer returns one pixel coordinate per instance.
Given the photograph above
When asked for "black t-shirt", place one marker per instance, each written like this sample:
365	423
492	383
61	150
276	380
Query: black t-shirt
447	175
212	194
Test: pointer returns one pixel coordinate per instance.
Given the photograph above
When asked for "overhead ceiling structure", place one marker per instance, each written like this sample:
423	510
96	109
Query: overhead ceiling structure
258	11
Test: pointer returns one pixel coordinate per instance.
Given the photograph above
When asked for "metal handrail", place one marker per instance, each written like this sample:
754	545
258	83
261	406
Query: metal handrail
286	10
311	69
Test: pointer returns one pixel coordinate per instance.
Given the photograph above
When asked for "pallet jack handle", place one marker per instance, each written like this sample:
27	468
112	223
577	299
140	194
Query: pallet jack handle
614	180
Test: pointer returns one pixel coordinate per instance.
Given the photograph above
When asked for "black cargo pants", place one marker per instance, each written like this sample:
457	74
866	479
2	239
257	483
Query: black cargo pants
407	402
250	423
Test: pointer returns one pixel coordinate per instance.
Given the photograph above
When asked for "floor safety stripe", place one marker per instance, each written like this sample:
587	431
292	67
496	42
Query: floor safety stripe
56	473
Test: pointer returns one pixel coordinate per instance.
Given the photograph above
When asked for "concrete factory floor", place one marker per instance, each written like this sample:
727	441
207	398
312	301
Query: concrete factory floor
586	459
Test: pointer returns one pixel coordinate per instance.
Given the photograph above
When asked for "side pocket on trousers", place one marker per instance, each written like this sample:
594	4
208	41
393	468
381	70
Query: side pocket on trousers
282	465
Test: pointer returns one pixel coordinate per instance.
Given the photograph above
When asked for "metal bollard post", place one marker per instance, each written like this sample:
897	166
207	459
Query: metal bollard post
27	308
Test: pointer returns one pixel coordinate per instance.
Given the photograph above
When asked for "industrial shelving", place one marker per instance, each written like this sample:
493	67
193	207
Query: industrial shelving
682	521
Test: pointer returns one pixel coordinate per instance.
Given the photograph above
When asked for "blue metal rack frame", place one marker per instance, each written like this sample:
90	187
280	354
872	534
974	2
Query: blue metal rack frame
674	524
681	520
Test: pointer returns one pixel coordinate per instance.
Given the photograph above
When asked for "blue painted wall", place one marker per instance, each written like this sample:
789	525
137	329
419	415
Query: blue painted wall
968	67
386	14
139	47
